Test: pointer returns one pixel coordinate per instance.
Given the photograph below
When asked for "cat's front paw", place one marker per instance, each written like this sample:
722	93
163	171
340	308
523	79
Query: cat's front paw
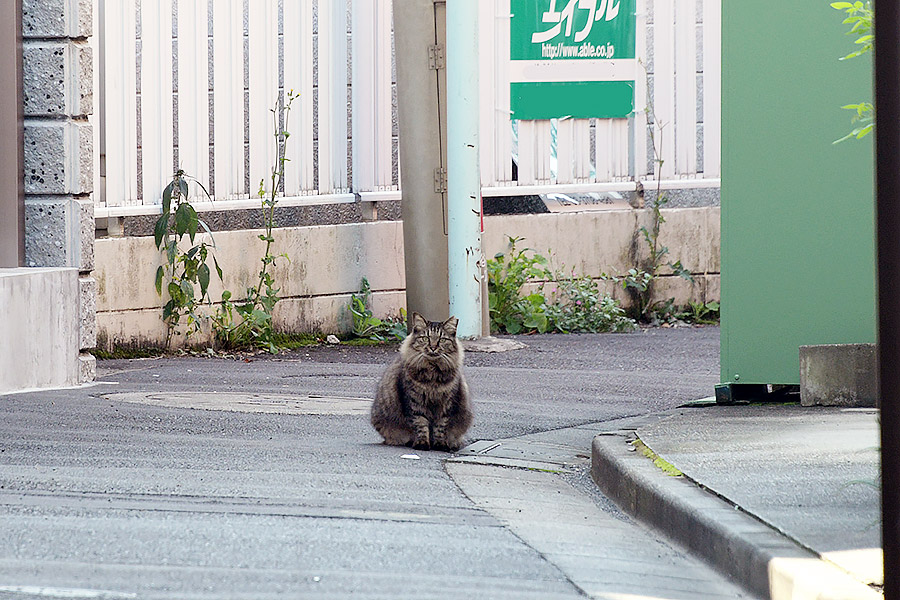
421	444
446	446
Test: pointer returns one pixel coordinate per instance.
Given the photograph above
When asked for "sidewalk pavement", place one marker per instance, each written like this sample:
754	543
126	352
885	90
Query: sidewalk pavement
782	498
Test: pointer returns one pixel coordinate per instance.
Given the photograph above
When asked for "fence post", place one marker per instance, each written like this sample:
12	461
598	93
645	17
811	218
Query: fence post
228	99
157	149
712	86
193	89
298	76
262	56
118	102
332	88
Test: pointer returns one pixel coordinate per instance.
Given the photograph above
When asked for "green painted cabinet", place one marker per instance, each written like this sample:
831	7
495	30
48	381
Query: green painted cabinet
798	262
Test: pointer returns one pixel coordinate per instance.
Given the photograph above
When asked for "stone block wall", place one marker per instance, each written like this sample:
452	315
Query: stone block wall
57	99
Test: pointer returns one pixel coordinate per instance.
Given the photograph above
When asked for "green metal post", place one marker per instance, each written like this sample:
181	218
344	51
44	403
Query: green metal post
463	175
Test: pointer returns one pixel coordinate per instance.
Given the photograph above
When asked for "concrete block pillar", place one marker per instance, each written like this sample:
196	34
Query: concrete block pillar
57	98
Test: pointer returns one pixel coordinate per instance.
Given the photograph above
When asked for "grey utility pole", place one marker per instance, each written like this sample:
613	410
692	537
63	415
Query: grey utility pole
12	193
419	43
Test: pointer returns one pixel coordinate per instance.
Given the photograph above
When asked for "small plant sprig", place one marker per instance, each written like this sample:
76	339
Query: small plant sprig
367	326
639	281
574	303
184	270
700	313
860	18
508	273
255	326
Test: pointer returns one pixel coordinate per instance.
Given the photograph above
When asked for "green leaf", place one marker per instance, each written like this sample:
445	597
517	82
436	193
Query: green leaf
203	278
159	231
187	289
219	270
194	221
864	131
206	228
681	271
190	269
159	279
260	317
513	327
182	219
167	198
171	251
169	310
183	187
205	192
537	321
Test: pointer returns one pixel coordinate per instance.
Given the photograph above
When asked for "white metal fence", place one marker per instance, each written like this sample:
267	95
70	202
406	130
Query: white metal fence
677	78
190	84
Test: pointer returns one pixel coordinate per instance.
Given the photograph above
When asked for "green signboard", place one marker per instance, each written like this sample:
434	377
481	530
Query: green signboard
572	58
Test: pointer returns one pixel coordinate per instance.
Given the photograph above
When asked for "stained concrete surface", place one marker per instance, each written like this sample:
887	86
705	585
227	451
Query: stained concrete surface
113	499
810	472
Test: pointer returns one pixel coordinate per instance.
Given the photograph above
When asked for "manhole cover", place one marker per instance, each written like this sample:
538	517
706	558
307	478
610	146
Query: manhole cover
253	403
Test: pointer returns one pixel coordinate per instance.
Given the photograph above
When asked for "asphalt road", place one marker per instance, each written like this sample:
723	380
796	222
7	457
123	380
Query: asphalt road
105	497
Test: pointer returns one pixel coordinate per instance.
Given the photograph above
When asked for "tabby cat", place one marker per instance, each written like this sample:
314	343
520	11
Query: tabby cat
422	399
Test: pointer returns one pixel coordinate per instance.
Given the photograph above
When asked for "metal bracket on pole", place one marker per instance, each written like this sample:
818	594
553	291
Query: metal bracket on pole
440	180
435	57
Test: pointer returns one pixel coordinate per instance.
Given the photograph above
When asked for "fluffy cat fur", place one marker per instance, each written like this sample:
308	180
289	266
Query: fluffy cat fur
422	399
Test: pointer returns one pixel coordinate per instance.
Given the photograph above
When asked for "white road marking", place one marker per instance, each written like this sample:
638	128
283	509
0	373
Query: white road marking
76	593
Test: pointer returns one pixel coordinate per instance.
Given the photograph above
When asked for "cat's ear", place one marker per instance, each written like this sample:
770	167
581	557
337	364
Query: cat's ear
450	326
418	321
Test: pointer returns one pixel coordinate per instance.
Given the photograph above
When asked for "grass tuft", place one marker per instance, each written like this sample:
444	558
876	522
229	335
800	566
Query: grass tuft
660	463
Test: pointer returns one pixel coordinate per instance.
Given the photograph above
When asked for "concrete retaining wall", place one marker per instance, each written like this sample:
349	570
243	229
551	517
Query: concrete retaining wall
40	328
596	242
327	263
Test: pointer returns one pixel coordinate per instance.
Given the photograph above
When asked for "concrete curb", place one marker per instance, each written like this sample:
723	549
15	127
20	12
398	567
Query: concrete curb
754	555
